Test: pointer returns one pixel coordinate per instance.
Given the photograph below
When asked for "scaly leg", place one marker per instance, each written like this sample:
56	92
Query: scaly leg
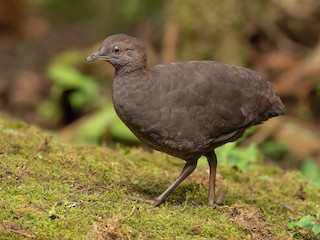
212	160
187	170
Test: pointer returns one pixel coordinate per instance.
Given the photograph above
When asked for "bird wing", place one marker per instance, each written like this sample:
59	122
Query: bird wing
205	100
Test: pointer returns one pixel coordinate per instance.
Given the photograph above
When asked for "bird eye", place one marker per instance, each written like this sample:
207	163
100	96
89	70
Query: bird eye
116	49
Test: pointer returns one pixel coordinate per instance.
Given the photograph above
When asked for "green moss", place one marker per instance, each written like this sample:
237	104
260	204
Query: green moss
51	190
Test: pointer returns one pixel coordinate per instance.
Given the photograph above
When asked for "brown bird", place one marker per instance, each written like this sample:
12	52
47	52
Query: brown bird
185	109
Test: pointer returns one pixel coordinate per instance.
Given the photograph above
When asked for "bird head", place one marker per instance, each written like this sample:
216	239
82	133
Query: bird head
125	53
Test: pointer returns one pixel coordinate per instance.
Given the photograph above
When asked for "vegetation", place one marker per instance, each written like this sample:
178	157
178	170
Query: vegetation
308	226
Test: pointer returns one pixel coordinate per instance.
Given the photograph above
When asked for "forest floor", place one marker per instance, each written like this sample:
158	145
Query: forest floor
55	190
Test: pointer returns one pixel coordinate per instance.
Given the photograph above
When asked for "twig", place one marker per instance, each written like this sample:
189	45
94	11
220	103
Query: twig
22	233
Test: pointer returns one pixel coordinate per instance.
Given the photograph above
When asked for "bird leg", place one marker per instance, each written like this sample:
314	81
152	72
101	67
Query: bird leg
212	160
187	170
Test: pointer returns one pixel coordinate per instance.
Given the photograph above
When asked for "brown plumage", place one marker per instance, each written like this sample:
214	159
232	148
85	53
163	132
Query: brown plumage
185	109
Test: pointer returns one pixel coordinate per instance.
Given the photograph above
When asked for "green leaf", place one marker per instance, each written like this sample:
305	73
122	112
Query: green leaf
306	222
64	75
242	158
309	169
291	224
121	131
316	229
136	182
84	89
93	127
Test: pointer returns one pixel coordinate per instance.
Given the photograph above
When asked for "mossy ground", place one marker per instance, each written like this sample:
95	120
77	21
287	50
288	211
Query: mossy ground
51	190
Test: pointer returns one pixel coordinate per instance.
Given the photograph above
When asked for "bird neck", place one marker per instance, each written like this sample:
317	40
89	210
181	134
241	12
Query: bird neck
126	70
140	64
130	79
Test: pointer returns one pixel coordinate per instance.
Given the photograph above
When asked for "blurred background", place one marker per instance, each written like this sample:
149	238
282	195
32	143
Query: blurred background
45	81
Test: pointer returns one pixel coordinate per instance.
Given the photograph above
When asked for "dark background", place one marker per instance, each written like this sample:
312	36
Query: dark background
45	81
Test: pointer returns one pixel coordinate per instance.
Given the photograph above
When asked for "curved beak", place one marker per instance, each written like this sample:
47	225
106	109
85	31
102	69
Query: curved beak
96	56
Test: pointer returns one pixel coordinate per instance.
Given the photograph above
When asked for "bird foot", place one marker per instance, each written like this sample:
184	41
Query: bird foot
221	196
219	199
